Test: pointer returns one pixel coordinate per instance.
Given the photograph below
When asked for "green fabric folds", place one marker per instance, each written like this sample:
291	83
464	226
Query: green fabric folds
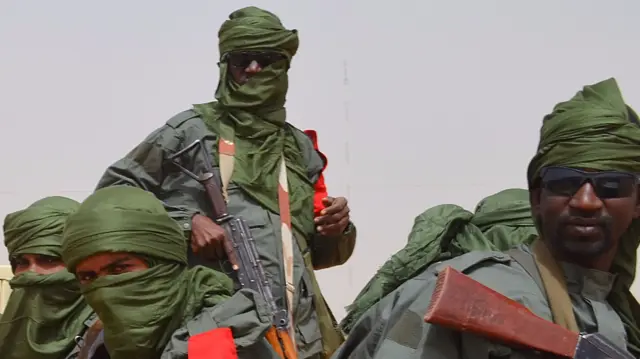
593	130
38	228
44	312
500	222
252	115
140	310
252	28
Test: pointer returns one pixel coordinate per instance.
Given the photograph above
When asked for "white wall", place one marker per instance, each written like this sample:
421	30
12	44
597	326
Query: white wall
444	99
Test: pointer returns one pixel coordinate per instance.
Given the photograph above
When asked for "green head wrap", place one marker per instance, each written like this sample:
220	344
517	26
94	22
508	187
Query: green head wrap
500	222
140	310
594	130
45	312
265	93
252	28
38	228
252	115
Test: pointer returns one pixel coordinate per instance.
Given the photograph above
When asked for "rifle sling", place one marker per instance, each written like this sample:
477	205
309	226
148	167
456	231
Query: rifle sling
226	153
555	286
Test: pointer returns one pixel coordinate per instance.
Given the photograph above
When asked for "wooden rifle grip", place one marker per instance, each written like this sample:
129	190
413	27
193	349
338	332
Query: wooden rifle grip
281	343
214	192
272	338
290	350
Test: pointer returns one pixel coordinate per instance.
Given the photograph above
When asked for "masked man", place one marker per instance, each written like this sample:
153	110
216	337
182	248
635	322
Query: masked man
130	259
267	169
46	316
583	184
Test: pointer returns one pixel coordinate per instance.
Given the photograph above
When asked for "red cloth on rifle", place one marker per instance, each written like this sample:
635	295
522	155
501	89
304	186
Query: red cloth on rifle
217	343
320	187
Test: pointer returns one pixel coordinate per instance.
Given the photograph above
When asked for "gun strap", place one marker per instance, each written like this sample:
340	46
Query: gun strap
287	236
555	286
90	337
226	153
529	264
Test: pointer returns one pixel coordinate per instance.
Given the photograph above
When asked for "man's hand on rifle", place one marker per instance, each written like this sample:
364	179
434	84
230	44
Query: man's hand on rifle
208	239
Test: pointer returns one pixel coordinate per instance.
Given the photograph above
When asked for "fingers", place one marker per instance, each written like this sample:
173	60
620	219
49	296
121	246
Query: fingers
334	229
335	206
198	242
231	254
212	244
327	201
334	218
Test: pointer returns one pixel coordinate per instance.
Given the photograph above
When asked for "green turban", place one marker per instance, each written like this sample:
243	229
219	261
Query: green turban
140	310
592	130
45	312
595	130
38	228
500	222
252	28
252	115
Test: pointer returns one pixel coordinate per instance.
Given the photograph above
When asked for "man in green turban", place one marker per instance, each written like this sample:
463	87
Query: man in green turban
46	316
130	259
267	168
585	202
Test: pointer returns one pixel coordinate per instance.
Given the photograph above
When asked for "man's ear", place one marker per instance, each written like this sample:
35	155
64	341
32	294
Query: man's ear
534	200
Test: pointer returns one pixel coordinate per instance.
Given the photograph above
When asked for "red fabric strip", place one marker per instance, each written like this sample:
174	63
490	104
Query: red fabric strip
214	344
320	187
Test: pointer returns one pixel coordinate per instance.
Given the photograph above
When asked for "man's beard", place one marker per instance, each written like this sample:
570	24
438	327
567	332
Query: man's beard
579	249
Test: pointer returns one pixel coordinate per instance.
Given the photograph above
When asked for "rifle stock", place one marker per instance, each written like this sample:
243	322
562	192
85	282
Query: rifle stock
462	304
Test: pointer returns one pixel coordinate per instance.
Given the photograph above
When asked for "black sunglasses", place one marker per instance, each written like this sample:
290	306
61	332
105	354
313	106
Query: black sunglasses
242	59
565	181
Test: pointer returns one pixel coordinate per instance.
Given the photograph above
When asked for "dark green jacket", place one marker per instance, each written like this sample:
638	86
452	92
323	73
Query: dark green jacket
248	318
146	166
394	327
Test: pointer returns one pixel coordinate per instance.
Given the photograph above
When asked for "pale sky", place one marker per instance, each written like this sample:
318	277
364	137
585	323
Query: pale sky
443	101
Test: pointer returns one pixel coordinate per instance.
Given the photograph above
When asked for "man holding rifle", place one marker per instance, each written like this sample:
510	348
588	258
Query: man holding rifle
583	184
266	168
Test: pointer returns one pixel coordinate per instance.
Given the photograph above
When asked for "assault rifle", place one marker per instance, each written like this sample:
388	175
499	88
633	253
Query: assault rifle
462	304
241	249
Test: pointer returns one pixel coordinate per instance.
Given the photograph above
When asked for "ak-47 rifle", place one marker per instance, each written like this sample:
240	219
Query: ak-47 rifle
241	249
462	304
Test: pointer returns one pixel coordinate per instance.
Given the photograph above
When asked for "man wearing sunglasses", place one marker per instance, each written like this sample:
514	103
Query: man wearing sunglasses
585	201
267	169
